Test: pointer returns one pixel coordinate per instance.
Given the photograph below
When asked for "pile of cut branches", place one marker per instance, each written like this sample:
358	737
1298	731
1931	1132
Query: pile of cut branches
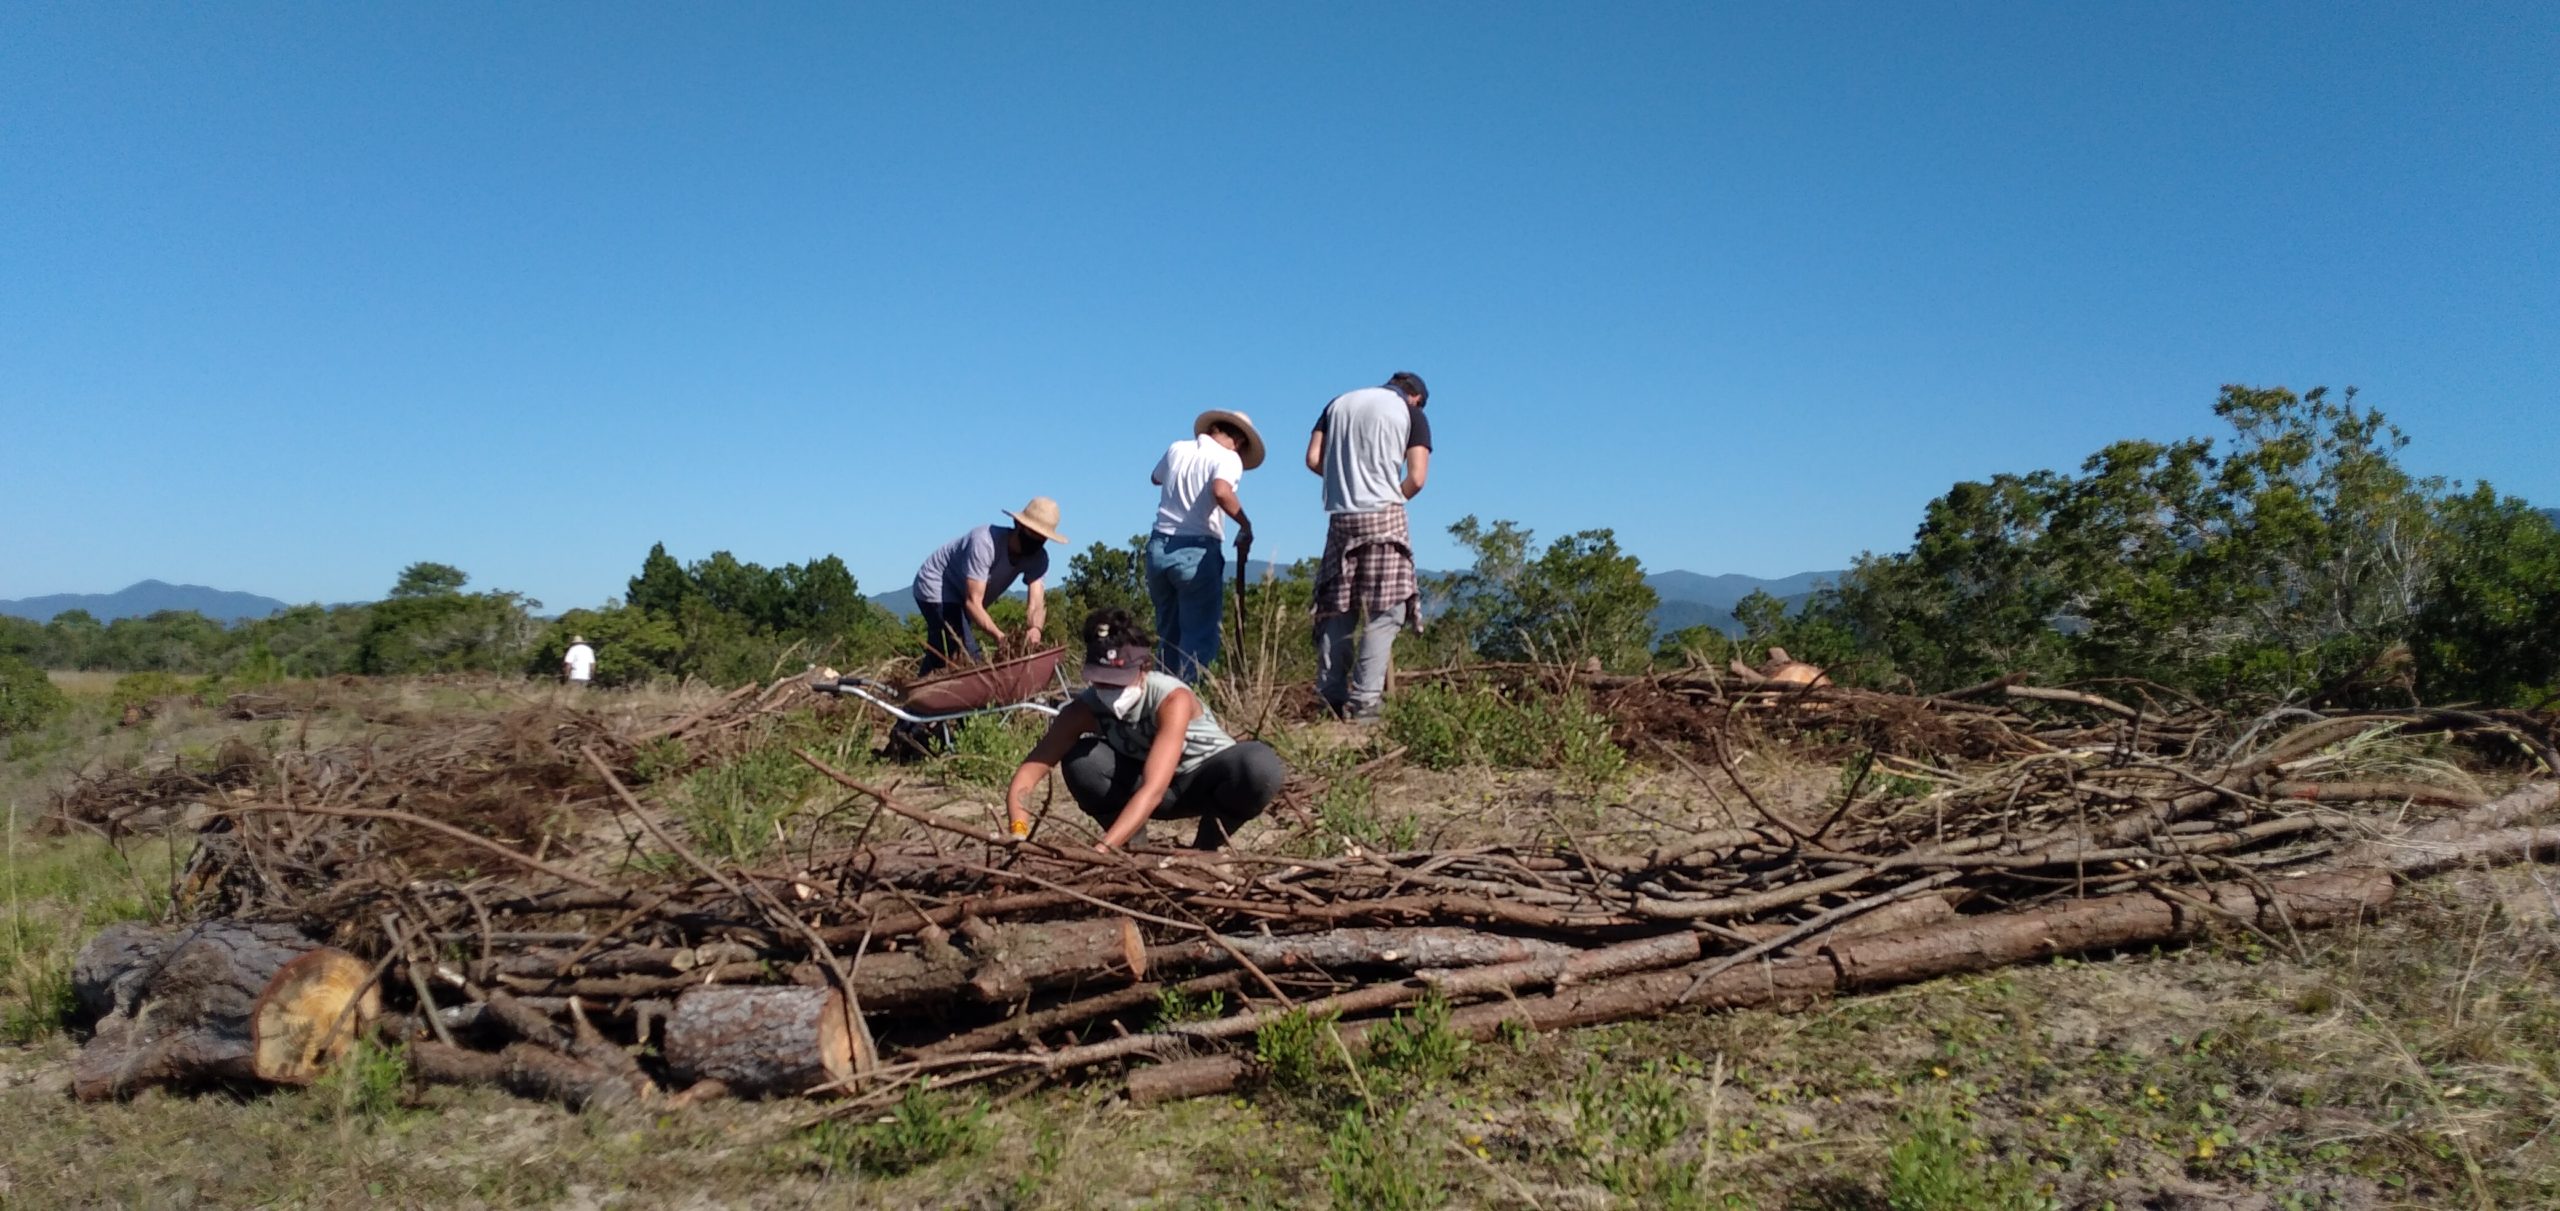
958	956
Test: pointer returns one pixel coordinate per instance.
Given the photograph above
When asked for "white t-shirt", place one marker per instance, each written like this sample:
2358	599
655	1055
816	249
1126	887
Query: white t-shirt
582	661
1187	506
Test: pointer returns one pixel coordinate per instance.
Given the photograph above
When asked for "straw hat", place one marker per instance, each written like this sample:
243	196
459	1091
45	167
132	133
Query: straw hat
1250	449
1041	518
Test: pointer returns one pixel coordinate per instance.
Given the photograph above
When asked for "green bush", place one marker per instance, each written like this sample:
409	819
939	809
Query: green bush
1381	1164
28	698
1444	727
1937	1166
143	689
1295	1050
1419	1043
923	1129
1579	599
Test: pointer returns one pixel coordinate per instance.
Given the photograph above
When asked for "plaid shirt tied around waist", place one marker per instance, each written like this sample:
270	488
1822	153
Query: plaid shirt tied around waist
1368	567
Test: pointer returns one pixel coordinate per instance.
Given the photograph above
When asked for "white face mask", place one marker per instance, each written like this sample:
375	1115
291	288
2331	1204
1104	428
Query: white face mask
1127	699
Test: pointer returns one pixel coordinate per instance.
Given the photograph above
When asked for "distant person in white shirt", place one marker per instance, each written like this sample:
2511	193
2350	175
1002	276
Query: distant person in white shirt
579	663
1186	568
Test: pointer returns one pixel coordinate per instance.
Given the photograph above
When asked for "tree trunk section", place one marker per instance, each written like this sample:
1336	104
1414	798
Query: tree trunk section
761	1042
216	1002
523	1070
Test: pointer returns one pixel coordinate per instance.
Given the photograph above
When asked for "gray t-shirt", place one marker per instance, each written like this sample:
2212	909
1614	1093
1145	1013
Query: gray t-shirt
1366	433
1133	734
985	553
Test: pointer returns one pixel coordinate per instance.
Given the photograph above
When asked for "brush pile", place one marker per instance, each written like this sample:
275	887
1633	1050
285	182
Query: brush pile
588	954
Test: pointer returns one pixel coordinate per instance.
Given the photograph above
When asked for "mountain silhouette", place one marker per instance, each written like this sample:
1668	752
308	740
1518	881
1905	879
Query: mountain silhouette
144	598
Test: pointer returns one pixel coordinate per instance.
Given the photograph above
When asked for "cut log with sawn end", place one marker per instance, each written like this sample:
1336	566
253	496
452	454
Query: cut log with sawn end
219	1002
761	1042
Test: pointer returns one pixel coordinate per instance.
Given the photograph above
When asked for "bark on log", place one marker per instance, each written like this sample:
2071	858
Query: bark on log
217	1002
761	1042
1964	945
521	1069
111	973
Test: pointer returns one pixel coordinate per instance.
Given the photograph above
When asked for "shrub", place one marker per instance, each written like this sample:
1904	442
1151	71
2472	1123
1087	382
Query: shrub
364	1085
1381	1165
1293	1051
1419	1042
1444	727
28	699
1931	1169
923	1129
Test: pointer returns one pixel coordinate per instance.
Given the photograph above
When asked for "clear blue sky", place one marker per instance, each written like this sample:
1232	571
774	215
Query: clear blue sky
293	295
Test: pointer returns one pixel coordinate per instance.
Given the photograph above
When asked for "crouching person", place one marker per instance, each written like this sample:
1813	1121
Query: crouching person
1138	745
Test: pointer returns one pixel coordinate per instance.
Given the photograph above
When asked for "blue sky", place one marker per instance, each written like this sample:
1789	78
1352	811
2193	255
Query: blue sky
293	295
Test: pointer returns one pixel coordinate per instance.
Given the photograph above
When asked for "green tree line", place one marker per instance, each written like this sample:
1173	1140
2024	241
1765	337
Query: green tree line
2291	559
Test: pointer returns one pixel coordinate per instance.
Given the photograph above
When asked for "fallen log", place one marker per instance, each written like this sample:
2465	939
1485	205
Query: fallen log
523	1070
1964	945
217	1002
761	1042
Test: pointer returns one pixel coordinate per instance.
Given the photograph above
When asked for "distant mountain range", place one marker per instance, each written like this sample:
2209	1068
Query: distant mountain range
145	598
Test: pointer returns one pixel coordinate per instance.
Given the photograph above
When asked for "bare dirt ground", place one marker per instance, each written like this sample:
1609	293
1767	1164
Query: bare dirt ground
2411	1063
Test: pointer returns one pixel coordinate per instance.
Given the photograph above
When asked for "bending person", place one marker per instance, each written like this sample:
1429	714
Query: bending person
1138	745
969	573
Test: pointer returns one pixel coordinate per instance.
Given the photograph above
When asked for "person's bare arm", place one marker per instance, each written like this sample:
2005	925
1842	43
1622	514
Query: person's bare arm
1315	452
1225	494
1417	467
1037	613
975	605
1072	722
1173	718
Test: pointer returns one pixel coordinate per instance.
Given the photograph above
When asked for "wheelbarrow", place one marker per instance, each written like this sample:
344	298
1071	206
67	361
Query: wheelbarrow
1024	683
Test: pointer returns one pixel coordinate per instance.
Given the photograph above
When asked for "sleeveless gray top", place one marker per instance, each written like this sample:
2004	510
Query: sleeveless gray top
1133	734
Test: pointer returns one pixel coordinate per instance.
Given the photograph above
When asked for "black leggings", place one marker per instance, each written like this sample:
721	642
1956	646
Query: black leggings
1223	792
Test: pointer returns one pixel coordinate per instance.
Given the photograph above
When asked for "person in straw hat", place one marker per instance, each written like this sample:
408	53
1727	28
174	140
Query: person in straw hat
1186	566
578	664
967	574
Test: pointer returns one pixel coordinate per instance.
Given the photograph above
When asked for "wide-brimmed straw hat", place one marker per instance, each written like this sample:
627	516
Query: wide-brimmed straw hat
1250	449
1041	518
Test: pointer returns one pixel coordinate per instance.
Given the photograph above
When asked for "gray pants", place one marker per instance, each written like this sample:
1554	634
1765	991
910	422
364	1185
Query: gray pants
1223	792
1334	661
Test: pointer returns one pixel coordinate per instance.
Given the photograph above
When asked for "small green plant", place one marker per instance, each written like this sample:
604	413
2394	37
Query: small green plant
1419	1043
732	809
1294	1050
39	1004
1936	1166
1381	1165
1174	1006
1444	727
364	1086
986	749
1626	1131
923	1129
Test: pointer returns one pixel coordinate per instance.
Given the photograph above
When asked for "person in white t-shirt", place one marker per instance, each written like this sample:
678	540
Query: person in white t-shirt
579	663
1186	566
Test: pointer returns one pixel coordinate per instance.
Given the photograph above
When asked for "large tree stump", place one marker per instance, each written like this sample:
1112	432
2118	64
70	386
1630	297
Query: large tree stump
761	1042
215	1002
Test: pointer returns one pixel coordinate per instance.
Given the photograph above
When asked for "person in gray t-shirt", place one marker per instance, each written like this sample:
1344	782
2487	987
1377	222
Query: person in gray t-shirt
1373	449
964	576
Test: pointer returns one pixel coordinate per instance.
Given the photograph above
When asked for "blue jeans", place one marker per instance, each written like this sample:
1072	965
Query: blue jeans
1186	576
946	631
